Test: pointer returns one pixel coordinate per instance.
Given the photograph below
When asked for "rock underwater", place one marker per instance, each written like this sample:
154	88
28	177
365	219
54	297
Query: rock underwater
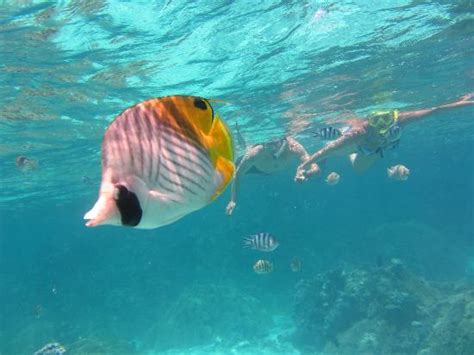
382	310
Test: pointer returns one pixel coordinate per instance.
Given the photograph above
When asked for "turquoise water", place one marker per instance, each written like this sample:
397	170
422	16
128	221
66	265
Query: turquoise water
283	67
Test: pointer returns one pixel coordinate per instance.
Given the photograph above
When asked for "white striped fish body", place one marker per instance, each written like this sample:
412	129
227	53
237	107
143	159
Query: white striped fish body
158	166
262	267
262	242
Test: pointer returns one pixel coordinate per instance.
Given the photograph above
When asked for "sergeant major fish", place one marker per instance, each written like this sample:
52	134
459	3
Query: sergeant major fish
331	133
261	242
162	159
263	267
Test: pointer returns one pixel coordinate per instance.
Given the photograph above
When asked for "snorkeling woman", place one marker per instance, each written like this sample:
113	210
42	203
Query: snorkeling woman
366	142
266	158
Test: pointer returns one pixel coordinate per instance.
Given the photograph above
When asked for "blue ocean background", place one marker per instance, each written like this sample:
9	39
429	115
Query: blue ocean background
282	67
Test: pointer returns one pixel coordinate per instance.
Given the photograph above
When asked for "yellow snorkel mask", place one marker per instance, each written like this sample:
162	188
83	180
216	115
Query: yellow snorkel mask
381	121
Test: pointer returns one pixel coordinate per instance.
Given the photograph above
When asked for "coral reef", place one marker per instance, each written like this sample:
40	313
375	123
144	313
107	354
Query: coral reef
207	314
407	239
384	310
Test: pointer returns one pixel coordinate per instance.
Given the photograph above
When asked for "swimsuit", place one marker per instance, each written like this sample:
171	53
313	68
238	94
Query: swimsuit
391	139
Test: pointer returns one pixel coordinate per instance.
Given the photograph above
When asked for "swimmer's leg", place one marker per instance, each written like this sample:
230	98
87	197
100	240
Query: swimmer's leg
361	163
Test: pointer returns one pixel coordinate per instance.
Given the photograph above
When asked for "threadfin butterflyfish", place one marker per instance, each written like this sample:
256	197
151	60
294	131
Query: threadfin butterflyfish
161	160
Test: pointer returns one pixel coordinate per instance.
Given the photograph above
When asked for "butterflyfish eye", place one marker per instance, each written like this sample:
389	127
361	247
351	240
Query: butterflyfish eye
200	103
203	105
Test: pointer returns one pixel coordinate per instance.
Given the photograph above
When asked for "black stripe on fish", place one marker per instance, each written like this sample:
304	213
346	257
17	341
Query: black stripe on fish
182	122
179	183
137	130
185	137
169	186
126	133
201	156
159	137
152	139
179	166
186	177
187	134
145	139
204	171
328	133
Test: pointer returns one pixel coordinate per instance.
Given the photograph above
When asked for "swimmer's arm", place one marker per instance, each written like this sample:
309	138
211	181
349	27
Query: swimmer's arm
350	138
414	116
310	166
245	164
298	149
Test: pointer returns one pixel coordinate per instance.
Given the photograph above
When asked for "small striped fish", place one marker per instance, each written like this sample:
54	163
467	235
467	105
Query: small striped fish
162	159
328	133
262	242
263	267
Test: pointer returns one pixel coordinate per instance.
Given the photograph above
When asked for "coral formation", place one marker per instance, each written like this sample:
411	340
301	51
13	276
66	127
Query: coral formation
385	310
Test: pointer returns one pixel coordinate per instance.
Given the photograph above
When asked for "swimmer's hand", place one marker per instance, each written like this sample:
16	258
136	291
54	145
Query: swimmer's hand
463	101
303	175
466	99
230	208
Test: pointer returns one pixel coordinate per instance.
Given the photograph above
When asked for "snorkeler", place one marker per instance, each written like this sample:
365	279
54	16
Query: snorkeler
267	158
366	142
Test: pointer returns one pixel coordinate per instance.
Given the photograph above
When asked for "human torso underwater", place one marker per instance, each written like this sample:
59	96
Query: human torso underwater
269	162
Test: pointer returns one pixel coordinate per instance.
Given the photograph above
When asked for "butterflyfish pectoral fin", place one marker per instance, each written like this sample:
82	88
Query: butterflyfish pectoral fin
226	168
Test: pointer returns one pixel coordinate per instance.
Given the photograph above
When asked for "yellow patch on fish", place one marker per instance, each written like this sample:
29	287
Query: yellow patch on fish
162	159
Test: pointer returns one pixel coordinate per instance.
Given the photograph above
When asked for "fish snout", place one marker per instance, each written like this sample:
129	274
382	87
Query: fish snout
104	212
